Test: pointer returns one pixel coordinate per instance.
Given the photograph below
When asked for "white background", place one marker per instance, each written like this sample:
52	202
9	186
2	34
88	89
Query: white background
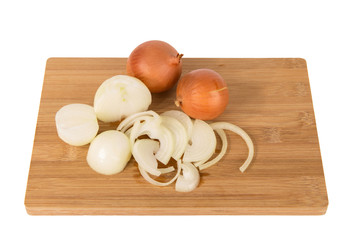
322	32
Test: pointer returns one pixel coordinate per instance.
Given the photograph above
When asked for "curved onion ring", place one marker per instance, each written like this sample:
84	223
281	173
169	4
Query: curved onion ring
157	183
130	120
205	164
241	133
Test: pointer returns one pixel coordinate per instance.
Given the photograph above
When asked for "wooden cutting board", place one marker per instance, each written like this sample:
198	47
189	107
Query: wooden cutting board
269	98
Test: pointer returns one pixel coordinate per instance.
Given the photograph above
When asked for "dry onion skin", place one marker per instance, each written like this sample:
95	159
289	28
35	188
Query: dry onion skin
157	64
202	94
76	124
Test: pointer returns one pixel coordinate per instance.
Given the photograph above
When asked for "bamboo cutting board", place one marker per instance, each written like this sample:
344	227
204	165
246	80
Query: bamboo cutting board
269	98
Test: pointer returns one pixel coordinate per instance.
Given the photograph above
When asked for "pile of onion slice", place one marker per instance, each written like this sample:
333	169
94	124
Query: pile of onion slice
174	135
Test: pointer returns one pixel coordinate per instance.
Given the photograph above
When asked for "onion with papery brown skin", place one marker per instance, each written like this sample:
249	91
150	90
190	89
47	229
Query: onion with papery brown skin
202	94
155	63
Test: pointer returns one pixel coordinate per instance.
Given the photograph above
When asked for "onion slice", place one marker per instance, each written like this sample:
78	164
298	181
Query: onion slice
129	121
143	152
179	135
203	143
241	133
155	130
157	183
205	164
189	180
184	119
166	170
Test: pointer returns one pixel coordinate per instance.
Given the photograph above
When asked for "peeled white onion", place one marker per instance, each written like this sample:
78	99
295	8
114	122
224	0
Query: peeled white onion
203	143
119	97
76	124
189	179
109	152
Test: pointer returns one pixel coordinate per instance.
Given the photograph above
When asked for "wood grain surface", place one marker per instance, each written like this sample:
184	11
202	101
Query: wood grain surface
269	98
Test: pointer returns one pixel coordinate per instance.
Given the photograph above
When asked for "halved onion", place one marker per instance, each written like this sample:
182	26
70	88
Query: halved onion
179	135
203	143
76	124
118	97
241	133
189	180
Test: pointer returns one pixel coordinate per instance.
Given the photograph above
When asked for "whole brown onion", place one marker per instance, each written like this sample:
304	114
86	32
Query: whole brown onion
157	64
202	94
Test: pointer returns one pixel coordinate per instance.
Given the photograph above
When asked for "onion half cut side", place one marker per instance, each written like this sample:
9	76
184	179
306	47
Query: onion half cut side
189	179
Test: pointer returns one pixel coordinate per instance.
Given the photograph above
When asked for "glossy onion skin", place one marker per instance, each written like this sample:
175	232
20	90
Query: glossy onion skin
202	94
157	64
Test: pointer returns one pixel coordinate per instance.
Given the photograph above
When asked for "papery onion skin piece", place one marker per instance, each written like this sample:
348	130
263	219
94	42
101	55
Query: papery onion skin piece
233	128
119	97
76	124
157	64
109	152
202	94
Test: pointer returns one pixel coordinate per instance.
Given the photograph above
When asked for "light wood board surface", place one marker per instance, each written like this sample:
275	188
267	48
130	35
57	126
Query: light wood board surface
269	98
